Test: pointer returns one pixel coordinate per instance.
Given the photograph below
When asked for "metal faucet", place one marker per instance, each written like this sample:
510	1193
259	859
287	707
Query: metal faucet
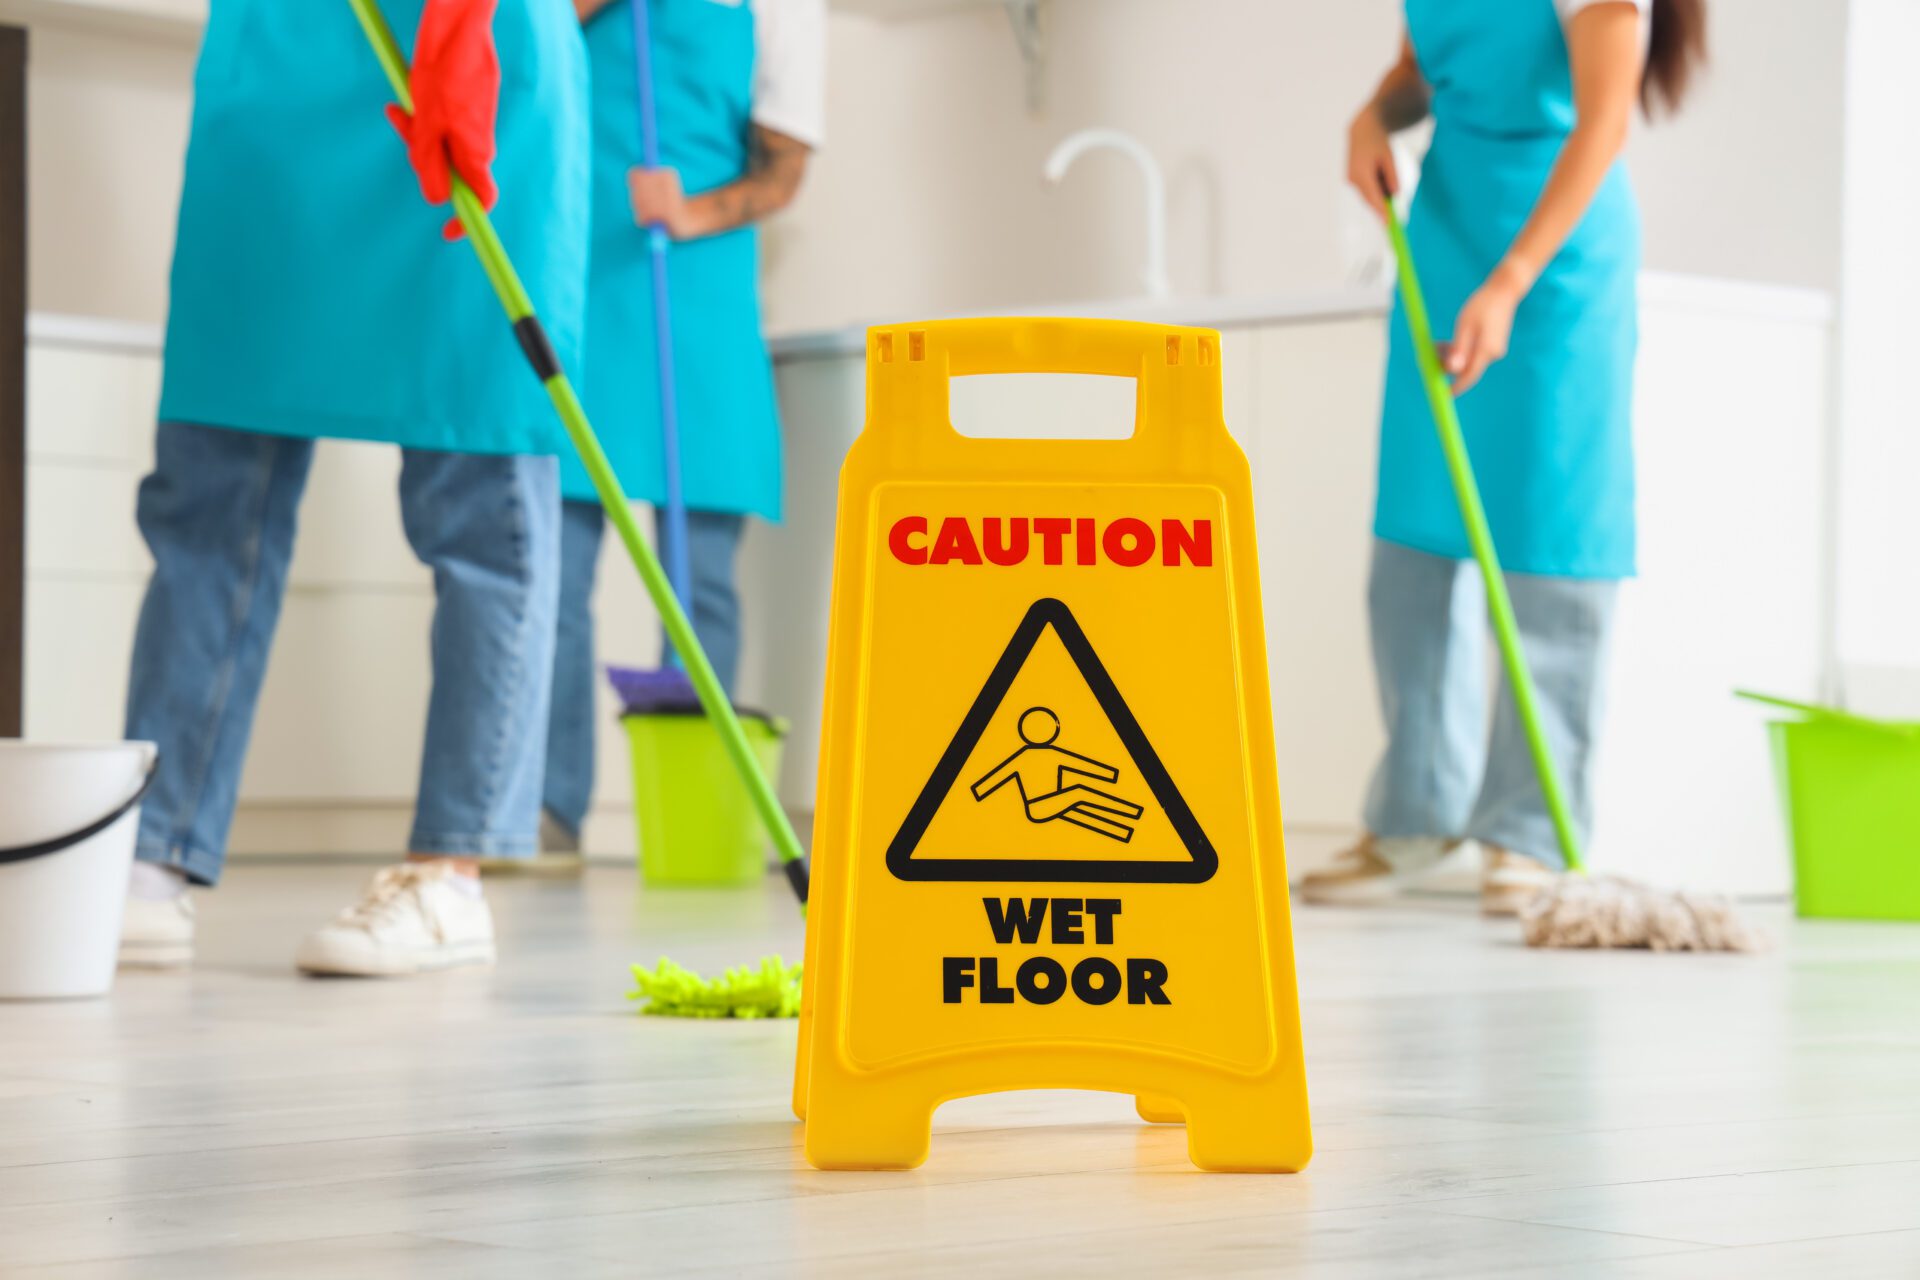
1154	277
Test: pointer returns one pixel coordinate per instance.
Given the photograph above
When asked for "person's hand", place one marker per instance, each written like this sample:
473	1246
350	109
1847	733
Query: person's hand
1482	329
455	83
1370	166
658	200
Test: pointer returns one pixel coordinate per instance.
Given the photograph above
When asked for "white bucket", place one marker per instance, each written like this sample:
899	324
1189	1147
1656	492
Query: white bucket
68	813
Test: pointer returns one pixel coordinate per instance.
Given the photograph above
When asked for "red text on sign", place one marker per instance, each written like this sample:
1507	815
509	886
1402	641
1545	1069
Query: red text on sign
1053	540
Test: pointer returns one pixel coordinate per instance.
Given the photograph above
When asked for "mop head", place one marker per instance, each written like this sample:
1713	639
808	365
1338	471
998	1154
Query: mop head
770	989
1608	912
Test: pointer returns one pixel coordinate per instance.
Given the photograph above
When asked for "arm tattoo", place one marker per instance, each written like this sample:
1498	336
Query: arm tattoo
774	169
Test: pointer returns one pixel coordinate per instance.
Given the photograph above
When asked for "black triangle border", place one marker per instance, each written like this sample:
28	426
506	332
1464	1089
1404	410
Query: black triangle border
1040	615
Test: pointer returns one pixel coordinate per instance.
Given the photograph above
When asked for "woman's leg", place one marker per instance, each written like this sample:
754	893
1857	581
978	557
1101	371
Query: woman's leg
1565	627
489	528
1428	619
570	724
713	545
218	512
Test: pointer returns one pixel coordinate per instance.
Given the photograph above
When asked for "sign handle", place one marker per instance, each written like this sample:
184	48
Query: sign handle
1177	369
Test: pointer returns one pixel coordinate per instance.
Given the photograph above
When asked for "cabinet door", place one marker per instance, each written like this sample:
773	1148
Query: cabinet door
1729	595
1313	440
89	440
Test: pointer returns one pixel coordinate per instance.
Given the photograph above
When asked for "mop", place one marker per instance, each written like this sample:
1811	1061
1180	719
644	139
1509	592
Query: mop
770	989
1580	910
686	991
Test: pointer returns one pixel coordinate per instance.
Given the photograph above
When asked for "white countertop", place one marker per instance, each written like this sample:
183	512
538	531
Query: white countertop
1657	288
1212	313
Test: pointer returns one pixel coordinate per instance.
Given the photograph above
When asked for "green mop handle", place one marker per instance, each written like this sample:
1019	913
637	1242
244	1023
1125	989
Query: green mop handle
1499	605
539	352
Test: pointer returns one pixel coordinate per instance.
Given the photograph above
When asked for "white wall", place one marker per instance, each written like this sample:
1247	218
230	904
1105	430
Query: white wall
929	198
1879	462
107	112
1746	183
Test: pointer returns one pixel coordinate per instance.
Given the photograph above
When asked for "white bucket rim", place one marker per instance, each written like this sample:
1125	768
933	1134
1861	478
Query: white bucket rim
147	753
16	745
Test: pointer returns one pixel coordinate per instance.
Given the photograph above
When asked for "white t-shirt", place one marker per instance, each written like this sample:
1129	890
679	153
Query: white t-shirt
1570	7
790	67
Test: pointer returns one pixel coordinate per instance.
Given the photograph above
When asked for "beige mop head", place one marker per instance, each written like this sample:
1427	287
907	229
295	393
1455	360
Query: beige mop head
1606	911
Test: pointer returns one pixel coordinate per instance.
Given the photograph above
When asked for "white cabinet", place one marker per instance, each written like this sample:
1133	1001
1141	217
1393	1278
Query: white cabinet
1731	410
1311	441
89	439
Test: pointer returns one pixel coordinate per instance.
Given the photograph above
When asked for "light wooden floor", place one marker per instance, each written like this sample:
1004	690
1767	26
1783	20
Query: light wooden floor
1480	1110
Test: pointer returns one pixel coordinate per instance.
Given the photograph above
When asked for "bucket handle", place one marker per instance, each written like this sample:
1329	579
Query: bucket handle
1833	715
40	849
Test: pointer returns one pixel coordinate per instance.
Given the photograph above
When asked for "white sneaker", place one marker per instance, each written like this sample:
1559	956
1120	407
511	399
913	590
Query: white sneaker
412	919
1372	870
157	933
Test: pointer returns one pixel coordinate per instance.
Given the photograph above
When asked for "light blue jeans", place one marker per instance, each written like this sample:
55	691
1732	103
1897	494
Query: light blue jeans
219	512
1442	775
713	544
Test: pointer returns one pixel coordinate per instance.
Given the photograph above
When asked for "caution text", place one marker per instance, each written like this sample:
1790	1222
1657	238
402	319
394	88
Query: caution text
1052	540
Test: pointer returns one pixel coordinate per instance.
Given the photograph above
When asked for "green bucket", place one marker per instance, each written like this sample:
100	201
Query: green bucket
1851	790
697	823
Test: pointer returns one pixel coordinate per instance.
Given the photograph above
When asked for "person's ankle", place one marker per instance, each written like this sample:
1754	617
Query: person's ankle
156	881
455	865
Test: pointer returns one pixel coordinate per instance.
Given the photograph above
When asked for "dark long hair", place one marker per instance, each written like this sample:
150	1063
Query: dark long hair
1676	46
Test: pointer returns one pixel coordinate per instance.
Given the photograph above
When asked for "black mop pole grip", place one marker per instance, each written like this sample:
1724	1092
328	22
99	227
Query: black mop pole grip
534	344
797	877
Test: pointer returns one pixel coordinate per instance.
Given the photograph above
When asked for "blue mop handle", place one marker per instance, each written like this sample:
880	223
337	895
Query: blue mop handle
679	571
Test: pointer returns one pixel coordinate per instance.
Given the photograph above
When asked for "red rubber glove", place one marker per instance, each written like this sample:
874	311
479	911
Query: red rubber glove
456	96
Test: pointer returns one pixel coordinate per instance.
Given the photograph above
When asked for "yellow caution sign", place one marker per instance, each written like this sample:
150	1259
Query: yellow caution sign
1047	850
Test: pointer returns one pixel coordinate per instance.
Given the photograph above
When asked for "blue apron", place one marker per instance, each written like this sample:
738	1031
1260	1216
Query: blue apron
312	293
703	54
1549	426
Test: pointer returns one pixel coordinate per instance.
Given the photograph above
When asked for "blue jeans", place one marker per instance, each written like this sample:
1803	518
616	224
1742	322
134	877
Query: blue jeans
218	513
713	542
1442	775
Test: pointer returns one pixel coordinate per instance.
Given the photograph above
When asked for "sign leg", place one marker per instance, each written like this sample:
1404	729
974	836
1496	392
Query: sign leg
1155	1109
1257	1127
877	1126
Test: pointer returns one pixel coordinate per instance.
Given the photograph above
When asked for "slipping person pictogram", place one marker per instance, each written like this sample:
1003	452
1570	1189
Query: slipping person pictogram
1040	771
1053	783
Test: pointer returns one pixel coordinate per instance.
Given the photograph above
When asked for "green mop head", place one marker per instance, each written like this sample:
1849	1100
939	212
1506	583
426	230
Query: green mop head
769	990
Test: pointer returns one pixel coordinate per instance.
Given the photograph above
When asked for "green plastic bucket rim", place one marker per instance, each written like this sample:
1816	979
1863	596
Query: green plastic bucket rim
1814	713
779	726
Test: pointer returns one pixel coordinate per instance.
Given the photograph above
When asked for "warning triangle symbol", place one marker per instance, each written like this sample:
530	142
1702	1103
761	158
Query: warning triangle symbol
1062	791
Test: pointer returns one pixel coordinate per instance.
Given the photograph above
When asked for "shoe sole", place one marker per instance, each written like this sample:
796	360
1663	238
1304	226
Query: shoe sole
469	954
548	863
1352	894
155	955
